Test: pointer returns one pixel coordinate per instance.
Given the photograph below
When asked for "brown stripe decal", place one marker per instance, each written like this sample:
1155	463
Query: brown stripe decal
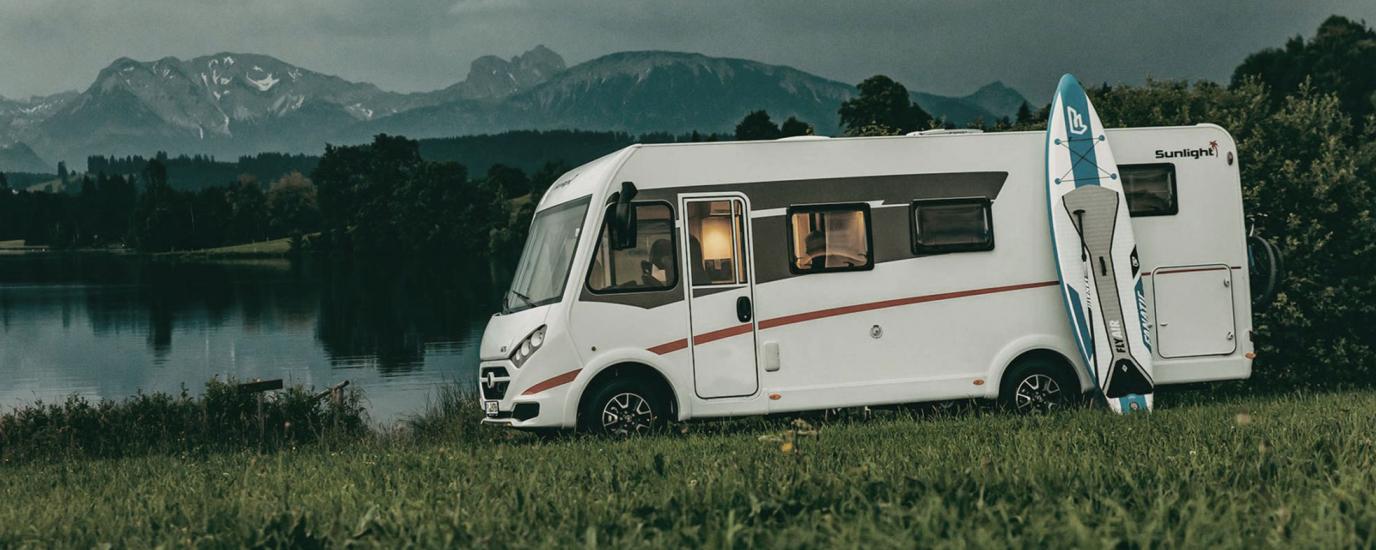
552	382
845	310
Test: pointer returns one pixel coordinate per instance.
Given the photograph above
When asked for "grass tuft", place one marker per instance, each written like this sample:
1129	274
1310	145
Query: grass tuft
221	418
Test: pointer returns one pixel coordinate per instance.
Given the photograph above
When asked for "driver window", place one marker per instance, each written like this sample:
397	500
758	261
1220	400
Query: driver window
649	265
831	237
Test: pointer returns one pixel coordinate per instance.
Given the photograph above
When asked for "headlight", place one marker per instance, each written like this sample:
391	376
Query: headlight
528	346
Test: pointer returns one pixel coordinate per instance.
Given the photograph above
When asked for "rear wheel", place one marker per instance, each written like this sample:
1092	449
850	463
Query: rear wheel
623	407
1038	386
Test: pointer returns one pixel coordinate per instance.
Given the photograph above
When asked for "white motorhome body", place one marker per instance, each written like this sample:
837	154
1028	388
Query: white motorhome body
800	274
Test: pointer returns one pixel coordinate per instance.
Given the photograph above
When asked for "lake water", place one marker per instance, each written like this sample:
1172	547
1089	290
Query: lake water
108	326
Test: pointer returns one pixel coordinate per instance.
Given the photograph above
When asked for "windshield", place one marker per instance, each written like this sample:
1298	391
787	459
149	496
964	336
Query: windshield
548	256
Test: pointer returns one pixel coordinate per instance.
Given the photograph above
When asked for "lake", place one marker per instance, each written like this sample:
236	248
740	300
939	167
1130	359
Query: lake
108	326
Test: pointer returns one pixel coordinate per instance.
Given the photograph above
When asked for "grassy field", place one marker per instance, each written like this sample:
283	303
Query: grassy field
1294	471
275	247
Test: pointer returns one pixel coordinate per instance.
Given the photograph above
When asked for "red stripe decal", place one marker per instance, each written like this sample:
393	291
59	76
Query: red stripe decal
704	338
1210	268
669	347
821	314
552	382
699	339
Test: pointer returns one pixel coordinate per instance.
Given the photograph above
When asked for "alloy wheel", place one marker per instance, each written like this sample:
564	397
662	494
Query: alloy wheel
1037	392
627	413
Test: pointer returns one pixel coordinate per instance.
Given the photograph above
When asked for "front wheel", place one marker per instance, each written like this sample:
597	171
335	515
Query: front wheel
623	407
1038	387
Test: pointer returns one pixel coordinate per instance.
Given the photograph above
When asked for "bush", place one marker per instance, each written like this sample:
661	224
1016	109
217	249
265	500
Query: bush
455	415
223	418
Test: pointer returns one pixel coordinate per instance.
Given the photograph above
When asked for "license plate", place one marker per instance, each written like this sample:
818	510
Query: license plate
490	407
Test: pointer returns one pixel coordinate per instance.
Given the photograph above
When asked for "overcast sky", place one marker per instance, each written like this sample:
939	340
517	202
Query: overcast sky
407	45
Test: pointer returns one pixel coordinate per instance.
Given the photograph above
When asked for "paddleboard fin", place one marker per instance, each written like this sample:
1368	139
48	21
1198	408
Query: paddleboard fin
1127	378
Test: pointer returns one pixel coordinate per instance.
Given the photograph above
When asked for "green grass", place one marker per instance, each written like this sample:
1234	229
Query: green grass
275	247
1278	472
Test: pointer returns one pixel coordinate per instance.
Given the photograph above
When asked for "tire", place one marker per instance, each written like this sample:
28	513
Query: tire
624	407
1035	386
1266	268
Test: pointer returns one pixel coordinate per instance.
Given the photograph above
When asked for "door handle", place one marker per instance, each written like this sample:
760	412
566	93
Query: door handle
743	309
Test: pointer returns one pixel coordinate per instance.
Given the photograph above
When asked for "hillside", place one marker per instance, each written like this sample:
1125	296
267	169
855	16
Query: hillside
230	104
20	158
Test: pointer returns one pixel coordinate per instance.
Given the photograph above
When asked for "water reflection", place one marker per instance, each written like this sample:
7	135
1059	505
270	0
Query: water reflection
107	326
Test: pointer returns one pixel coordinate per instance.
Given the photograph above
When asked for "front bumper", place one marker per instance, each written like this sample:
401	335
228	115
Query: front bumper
501	404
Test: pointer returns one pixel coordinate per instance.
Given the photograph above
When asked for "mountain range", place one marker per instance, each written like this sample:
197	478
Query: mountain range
231	104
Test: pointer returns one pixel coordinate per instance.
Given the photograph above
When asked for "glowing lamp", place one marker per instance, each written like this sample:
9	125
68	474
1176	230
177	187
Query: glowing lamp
716	238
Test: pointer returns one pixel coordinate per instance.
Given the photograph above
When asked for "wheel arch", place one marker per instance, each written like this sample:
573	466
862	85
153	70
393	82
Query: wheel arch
625	368
1051	357
1036	346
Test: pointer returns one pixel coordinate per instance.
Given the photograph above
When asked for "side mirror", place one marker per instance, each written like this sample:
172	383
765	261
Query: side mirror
622	225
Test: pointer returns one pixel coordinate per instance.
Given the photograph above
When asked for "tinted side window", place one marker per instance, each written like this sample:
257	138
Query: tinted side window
1150	189
650	265
952	225
832	237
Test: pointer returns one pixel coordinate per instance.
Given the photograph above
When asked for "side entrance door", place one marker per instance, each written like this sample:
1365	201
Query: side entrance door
721	304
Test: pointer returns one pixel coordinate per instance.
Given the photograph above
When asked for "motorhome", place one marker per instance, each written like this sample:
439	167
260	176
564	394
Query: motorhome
690	280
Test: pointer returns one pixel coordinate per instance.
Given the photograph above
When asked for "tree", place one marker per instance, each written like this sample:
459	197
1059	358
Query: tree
292	206
543	178
383	198
248	213
1024	116
162	220
507	182
755	126
794	127
4	182
882	108
1339	59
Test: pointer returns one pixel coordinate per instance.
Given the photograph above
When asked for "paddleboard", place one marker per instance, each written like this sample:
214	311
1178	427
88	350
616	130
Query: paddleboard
1095	252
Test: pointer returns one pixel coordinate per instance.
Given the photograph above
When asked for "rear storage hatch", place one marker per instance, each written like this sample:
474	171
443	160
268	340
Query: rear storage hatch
1194	311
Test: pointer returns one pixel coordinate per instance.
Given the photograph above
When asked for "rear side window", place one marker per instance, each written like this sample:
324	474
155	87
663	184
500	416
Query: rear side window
1150	189
829	237
650	265
952	225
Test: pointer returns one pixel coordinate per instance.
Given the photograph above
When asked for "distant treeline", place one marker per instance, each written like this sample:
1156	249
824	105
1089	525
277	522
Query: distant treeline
145	213
191	173
527	150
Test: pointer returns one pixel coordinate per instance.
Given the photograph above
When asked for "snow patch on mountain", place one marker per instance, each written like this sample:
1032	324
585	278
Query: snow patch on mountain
359	111
264	84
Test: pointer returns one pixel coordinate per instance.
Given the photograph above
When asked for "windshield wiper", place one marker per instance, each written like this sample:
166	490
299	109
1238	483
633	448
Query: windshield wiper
523	297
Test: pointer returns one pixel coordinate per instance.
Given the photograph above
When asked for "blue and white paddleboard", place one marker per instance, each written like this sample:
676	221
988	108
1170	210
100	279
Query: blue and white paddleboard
1096	253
